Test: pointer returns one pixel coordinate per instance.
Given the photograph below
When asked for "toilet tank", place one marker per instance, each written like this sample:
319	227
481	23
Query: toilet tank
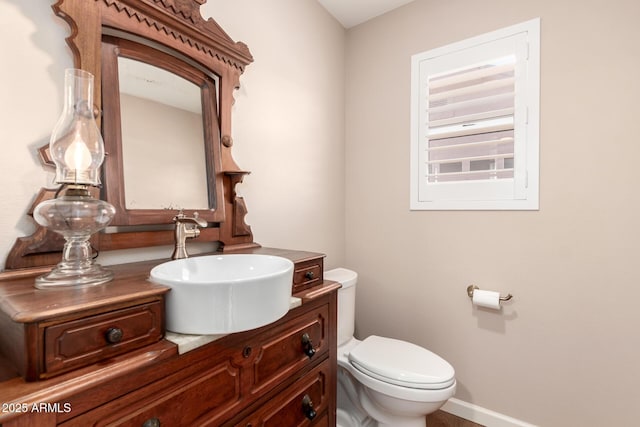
346	301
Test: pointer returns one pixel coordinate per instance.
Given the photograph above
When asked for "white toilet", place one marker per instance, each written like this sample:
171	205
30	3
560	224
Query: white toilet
384	381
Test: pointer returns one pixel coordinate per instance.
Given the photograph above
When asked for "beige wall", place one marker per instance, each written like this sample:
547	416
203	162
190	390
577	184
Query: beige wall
288	122
565	352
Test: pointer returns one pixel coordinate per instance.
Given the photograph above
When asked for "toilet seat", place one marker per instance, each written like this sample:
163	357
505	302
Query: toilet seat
401	363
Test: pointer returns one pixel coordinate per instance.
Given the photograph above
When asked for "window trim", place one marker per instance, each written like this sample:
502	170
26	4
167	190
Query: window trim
526	197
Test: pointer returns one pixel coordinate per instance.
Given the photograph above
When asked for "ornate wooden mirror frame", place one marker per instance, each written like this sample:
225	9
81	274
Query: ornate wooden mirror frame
177	31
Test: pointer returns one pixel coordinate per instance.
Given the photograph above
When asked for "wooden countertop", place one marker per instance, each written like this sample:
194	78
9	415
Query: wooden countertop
23	303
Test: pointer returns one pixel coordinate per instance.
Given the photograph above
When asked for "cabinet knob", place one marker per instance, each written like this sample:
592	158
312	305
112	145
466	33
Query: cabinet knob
227	141
309	275
307	346
113	335
151	422
307	407
246	352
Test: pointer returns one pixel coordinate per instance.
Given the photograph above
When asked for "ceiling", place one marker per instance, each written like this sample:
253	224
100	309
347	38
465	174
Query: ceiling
353	12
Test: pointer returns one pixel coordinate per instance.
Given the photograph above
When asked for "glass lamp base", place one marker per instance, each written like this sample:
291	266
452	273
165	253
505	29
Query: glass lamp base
61	278
76	216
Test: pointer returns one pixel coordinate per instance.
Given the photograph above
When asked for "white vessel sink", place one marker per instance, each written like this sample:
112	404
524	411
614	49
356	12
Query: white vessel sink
219	294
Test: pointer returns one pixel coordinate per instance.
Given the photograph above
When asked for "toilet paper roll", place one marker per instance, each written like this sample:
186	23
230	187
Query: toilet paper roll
488	299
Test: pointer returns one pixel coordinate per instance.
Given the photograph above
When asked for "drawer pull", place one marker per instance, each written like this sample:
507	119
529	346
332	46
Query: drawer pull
113	335
309	275
151	422
307	407
246	352
307	346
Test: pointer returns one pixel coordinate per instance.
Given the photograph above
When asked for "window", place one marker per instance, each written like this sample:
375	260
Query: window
475	122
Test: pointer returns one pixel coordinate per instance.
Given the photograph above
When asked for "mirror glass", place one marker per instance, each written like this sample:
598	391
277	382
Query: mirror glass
163	146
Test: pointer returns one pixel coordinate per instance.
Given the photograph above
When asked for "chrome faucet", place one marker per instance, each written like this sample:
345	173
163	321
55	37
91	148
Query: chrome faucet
186	228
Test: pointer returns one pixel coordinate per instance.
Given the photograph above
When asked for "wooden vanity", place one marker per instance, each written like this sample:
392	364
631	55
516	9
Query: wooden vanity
98	356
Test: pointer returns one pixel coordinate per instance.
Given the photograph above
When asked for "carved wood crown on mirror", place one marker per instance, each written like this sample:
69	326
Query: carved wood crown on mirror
169	34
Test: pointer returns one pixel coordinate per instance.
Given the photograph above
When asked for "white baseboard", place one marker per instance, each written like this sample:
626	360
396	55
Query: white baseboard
480	415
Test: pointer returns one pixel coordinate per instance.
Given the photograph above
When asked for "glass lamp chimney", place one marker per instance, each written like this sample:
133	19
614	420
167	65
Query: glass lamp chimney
76	145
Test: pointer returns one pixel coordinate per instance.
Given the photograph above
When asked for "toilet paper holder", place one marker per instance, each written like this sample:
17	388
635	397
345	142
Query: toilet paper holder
472	288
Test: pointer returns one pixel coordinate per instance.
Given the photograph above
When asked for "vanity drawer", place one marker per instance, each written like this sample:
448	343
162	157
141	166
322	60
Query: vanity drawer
304	403
77	343
297	344
204	392
307	274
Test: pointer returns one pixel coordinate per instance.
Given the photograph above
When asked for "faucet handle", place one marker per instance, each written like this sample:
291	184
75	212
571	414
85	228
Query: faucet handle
181	218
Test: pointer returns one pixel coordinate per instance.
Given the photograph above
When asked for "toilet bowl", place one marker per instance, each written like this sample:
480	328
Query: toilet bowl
384	381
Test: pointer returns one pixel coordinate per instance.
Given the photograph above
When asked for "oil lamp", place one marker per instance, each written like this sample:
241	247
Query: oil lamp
77	150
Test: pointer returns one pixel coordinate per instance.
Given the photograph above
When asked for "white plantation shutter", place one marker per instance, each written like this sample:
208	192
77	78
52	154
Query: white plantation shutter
470	123
473	142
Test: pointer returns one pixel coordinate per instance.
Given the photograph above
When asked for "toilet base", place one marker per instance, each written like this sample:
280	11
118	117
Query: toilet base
345	419
359	406
376	405
349	411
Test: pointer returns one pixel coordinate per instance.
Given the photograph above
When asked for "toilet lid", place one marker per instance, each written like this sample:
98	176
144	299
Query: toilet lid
401	363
